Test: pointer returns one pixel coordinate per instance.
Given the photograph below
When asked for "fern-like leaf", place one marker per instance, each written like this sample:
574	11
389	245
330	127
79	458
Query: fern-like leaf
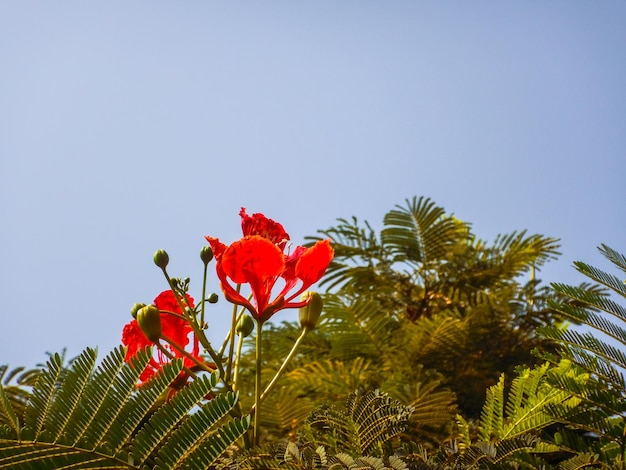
418	233
42	397
187	438
8	417
16	385
166	418
86	417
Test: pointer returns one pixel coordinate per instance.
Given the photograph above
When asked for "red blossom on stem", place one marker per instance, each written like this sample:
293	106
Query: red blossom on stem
259	259
174	326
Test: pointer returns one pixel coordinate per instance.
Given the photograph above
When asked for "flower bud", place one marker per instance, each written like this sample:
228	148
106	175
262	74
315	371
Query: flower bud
310	313
245	325
149	319
206	254
161	259
213	298
135	308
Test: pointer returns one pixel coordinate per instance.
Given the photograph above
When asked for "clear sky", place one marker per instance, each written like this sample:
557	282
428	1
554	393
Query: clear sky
131	126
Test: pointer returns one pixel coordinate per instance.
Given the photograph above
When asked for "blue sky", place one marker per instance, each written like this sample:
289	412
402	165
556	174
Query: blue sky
131	126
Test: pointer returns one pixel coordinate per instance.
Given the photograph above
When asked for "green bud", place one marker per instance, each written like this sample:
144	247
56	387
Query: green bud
135	308
245	325
206	254
310	313
161	259
149	319
213	298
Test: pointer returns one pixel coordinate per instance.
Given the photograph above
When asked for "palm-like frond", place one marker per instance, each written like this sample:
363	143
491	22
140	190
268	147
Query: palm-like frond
359	329
358	435
434	407
420	233
15	390
367	425
96	417
522	251
600	350
526	408
425	261
332	379
284	410
354	247
293	456
437	339
597	346
583	460
513	420
489	454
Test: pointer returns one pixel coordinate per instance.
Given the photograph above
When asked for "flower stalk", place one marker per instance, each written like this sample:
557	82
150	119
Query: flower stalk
282	368
194	324
257	383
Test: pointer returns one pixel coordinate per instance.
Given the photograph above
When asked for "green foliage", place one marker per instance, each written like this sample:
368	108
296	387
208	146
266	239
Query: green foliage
514	428
355	347
369	432
419	233
526	406
92	416
364	433
426	268
427	257
14	392
597	347
367	426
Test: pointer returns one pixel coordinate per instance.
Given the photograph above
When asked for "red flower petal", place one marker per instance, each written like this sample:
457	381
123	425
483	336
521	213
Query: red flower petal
176	329
252	259
291	262
230	292
134	339
258	224
217	246
167	301
314	261
257	261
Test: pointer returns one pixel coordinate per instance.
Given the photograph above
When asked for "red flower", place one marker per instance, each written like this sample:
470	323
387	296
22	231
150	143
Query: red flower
135	341
174	326
258	259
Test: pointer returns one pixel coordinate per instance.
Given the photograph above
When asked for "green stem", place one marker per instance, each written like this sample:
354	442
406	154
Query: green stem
194	325
231	332
283	366
206	266
257	383
237	361
181	350
231	342
172	358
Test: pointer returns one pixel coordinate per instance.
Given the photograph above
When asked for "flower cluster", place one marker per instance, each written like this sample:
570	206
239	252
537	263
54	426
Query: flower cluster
260	260
278	278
